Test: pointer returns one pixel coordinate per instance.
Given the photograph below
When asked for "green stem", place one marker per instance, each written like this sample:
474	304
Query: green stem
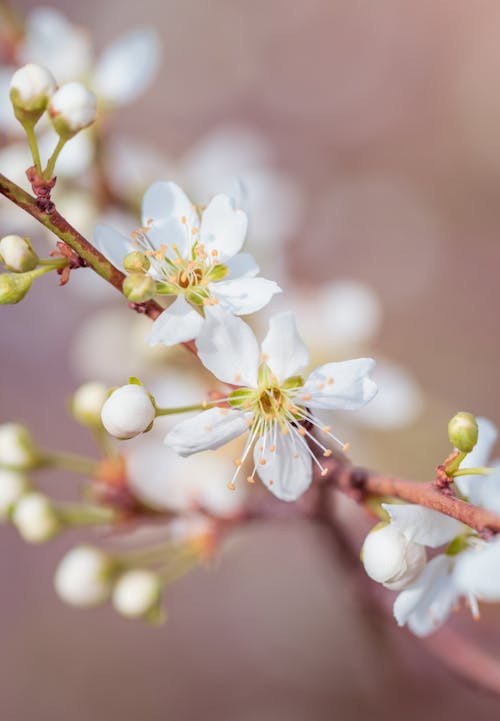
185	409
68	462
452	467
479	471
49	170
33	143
75	514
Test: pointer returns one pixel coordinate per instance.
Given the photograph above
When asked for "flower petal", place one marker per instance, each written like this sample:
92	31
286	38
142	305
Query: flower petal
170	215
487	490
426	605
423	525
244	295
127	66
228	348
479	456
223	227
476	572
208	430
177	324
112	244
241	265
286	470
286	352
341	386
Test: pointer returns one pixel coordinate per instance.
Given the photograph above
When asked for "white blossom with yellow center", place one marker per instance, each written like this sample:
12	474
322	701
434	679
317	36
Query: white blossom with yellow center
272	402
194	256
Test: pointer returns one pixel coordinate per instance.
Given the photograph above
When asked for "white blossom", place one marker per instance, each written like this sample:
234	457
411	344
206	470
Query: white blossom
196	258
136	593
128	411
31	87
390	558
13	485
84	577
16	446
72	108
87	403
272	401
36	518
17	254
477	571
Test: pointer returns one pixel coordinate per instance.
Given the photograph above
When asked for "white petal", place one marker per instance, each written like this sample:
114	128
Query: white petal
241	265
479	456
172	215
341	386
487	490
244	295
287	470
286	352
478	572
223	227
208	430
228	348
177	324
112	244
127	66
423	525
426	604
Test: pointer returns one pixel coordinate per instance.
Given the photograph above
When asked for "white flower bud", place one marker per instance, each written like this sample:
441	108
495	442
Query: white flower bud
87	403
391	559
84	577
36	518
128	411
72	108
13	485
137	593
16	446
30	89
17	254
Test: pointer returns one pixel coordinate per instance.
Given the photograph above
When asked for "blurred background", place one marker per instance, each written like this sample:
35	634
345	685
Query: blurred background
368	135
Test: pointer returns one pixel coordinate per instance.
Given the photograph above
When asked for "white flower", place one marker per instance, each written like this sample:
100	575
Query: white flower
31	87
128	411
390	558
196	259
36	518
84	577
13	485
72	108
272	402
16	446
477	571
87	403
136	593
17	254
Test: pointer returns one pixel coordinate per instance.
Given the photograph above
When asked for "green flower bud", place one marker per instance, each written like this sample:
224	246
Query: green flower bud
462	431
139	288
17	254
14	286
30	90
136	262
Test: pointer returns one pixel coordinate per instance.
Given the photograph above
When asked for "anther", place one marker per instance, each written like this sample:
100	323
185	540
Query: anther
327	453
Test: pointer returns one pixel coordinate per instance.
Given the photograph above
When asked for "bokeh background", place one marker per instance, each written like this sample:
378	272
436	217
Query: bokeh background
379	128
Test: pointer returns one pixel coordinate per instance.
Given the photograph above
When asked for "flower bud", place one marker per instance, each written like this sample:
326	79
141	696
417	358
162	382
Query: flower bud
84	577
139	288
16	446
87	403
17	254
36	518
128	411
391	559
137	593
136	262
13	485
463	431
30	90
72	108
14	286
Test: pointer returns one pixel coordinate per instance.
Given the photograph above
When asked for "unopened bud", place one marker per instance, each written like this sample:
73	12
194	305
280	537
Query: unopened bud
128	411
84	577
72	108
35	518
136	262
16	446
391	559
30	90
13	485
463	431
17	254
87	403
14	286
139	288
137	593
